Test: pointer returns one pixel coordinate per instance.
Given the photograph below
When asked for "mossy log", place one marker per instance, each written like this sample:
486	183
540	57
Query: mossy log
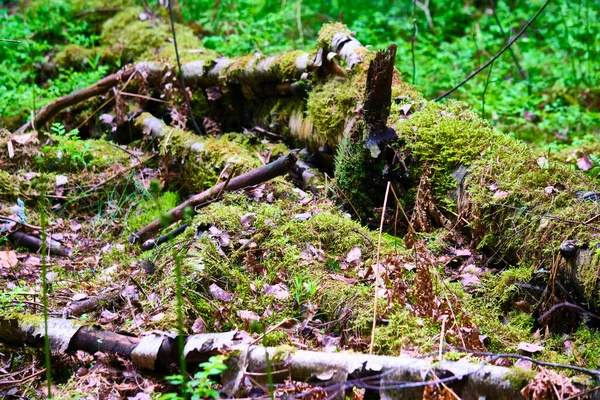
335	372
451	168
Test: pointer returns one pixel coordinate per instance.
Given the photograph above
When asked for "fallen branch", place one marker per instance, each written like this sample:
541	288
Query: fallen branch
100	87
80	307
259	175
35	244
336	372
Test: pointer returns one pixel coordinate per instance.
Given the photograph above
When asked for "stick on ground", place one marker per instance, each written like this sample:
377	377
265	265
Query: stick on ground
254	177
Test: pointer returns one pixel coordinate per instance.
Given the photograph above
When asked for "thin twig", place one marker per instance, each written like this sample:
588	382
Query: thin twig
497	55
376	269
512	52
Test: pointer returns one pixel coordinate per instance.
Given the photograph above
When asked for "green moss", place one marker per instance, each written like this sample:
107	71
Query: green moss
132	39
405	330
287	64
74	56
150	209
358	176
519	378
445	136
327	32
277	338
8	187
68	154
332	103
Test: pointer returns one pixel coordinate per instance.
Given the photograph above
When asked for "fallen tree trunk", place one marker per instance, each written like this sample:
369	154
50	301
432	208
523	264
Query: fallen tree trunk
450	166
391	377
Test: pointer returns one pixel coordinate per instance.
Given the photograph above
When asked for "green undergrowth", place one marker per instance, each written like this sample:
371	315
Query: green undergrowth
149	209
269	244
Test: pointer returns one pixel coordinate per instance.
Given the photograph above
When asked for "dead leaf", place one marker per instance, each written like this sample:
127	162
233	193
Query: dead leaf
406	108
75	226
247	220
8	259
61	180
303	216
108	315
584	163
157	317
500	194
220	294
248	316
79	296
469	280
354	257
530	347
199	326
279	291
463	252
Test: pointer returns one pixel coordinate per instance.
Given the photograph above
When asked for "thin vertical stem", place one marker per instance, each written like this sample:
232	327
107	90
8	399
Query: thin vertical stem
487	82
376	268
299	21
180	336
44	250
413	43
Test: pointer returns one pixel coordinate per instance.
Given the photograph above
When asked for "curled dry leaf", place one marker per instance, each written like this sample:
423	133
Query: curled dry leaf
247	220
530	347
220	294
279	291
354	257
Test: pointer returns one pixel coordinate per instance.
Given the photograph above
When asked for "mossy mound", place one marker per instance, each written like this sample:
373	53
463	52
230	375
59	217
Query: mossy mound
70	154
132	35
75	57
277	261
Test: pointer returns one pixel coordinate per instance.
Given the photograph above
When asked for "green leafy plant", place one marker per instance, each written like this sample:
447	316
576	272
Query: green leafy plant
202	385
304	290
68	151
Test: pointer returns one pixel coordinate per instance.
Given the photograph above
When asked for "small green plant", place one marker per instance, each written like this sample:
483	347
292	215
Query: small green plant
201	386
69	151
304	290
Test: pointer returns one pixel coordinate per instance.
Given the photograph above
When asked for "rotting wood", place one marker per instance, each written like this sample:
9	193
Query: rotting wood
262	174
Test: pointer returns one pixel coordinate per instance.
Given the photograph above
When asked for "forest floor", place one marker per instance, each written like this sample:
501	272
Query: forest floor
281	260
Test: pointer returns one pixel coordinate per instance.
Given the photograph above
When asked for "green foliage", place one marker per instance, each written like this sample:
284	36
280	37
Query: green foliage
551	100
28	38
68	149
202	385
150	209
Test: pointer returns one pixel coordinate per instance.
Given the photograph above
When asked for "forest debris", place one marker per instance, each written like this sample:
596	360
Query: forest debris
35	244
548	384
259	175
337	371
87	304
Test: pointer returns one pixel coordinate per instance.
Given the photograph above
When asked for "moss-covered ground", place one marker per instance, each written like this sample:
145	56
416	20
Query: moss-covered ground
304	267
